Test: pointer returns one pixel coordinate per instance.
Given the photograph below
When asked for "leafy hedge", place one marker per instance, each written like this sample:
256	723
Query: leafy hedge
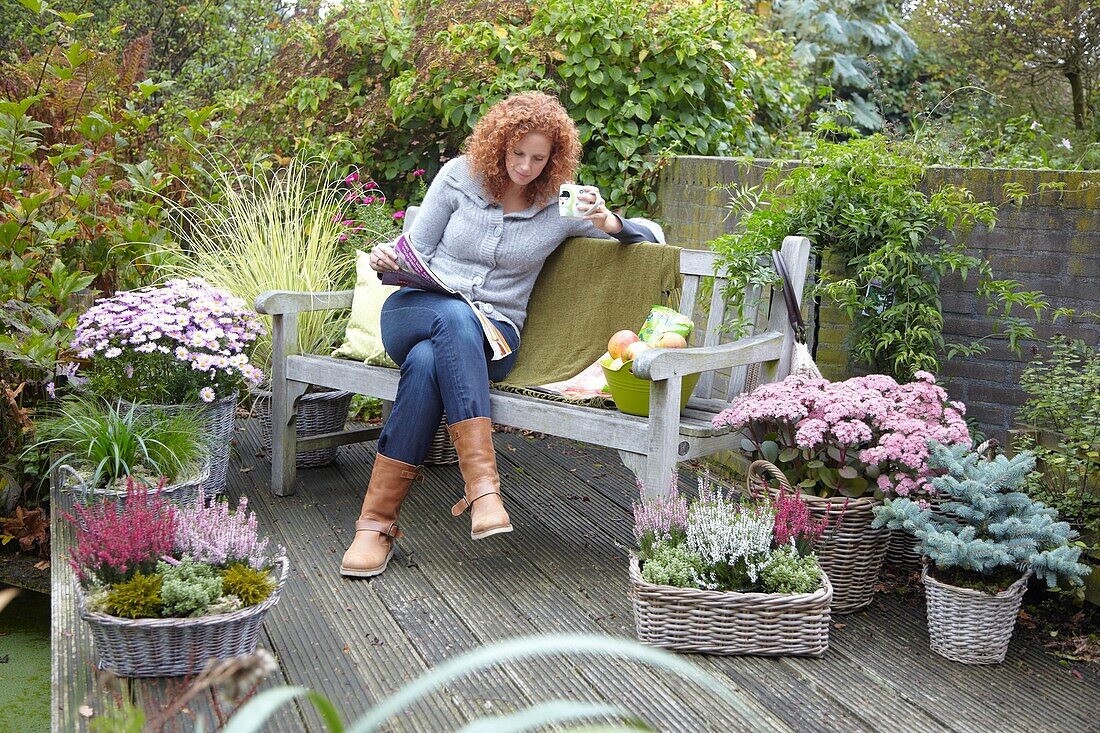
395	88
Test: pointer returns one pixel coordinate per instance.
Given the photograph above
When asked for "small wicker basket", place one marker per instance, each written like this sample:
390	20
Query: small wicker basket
173	647
969	626
851	551
318	413
220	420
717	622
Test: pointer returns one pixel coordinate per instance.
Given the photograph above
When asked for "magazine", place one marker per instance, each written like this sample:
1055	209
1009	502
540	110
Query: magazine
415	273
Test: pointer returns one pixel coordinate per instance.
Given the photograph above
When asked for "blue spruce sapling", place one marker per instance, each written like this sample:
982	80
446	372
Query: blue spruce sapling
986	529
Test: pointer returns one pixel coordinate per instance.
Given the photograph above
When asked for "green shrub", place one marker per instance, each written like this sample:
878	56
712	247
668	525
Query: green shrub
673	564
1064	402
138	597
788	572
394	87
188	589
110	441
245	582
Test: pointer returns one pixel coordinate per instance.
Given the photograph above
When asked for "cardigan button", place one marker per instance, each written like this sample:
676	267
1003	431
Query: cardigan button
487	307
478	280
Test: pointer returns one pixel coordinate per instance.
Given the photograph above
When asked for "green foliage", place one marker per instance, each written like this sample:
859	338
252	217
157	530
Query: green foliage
279	230
673	564
138	597
1064	403
245	582
838	41
111	441
985	524
786	571
862	203
394	87
188	588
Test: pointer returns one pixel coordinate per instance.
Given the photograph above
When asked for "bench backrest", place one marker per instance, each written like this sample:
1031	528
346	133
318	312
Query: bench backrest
703	299
763	310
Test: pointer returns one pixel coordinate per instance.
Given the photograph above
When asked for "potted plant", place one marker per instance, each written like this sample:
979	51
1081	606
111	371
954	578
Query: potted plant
103	450
725	576
180	346
981	547
165	589
844	446
295	229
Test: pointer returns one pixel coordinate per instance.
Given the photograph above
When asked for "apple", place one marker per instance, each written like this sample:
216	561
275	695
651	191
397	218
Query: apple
630	353
671	340
620	341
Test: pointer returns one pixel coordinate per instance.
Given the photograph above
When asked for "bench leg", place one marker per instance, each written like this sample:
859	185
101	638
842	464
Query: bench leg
657	469
284	436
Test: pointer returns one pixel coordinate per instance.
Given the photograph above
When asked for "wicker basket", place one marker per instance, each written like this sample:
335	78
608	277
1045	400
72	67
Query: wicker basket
220	420
851	551
172	647
901	550
73	489
442	450
970	626
716	622
318	413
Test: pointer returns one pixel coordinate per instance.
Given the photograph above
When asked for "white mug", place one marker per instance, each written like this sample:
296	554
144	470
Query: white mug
570	207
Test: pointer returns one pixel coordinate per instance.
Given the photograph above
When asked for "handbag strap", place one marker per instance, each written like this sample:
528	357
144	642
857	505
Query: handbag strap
794	311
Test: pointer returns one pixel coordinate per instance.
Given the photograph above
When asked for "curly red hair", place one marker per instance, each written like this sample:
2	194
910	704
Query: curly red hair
508	121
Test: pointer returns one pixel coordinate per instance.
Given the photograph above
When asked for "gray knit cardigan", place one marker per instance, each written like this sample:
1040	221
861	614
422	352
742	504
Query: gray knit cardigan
491	257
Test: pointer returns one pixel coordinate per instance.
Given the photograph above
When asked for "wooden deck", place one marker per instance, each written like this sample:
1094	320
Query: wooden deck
562	570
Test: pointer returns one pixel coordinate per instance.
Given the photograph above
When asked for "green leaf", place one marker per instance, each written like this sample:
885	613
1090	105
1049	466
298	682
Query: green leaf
770	450
788	454
848	472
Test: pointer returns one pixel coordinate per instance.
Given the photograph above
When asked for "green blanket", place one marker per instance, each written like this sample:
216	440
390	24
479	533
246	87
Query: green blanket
587	290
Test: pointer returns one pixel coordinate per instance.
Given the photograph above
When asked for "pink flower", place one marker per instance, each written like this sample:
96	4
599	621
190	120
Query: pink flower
369	185
352	178
399	215
343	238
368	200
418	172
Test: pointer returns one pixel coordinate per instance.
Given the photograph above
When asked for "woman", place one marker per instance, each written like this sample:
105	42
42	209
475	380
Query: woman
486	225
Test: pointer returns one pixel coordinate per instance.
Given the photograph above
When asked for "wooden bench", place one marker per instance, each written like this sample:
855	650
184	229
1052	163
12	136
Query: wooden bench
650	447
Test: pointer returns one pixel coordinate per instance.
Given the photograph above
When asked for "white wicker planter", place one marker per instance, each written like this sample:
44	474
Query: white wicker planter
970	626
173	647
73	489
716	622
220	419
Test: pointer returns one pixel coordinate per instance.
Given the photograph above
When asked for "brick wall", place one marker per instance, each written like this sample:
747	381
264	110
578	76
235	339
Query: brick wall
1051	243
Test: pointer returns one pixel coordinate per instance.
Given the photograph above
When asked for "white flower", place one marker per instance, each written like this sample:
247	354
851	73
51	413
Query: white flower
1067	144
206	394
1035	125
112	352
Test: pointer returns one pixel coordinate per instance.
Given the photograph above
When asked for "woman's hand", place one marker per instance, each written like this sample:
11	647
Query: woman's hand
598	213
383	258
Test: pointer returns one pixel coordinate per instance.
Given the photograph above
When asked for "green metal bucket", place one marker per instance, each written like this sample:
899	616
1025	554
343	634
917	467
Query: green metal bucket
631	394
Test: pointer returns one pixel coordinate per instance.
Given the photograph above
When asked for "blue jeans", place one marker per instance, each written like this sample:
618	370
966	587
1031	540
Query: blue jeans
445	366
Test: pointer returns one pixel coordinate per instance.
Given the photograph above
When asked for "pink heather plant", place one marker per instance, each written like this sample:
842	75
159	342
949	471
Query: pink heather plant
830	438
658	519
113	543
175	343
215	535
794	523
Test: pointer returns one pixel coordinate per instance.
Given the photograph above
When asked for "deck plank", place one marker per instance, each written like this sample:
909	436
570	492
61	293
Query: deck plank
563	569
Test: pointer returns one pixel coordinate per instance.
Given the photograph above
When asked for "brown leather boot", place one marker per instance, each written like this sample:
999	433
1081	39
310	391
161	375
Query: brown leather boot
477	460
372	548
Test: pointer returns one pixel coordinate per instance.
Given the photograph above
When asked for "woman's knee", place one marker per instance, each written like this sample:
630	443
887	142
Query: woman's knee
420	362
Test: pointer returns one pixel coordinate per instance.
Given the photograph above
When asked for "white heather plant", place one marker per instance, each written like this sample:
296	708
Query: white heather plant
720	543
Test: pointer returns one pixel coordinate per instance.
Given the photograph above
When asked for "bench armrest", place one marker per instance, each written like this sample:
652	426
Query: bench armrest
283	302
655	364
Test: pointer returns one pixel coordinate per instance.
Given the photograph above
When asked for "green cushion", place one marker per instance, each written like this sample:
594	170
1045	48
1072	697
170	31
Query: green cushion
363	337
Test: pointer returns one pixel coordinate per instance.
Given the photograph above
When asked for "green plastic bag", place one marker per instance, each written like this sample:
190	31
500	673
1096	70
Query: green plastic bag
661	320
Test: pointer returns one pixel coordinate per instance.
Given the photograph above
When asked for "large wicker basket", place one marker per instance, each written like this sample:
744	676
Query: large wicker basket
73	489
901	551
173	647
851	551
220	419
970	626
442	451
716	622
318	413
